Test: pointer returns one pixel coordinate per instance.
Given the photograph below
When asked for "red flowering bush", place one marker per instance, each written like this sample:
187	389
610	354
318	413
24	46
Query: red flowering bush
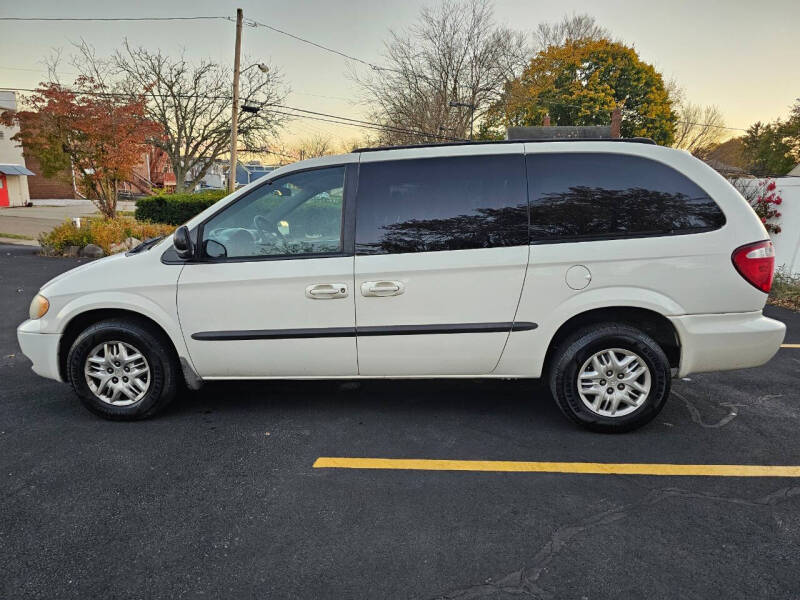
765	200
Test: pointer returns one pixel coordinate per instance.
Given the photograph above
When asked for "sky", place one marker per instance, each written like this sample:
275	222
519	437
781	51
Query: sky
742	56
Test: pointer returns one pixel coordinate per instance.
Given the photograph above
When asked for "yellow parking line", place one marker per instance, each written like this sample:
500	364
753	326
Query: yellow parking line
790	345
424	464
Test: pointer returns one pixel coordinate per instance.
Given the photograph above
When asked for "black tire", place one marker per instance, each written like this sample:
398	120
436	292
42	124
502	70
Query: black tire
576	349
152	344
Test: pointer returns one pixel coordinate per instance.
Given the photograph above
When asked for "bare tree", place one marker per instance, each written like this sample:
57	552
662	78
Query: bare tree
192	102
456	53
699	129
312	147
570	28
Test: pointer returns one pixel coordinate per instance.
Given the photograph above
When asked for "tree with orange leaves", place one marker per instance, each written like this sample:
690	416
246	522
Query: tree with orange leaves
96	135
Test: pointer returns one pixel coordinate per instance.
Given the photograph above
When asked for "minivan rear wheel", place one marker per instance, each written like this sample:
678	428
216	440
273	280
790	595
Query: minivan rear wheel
122	370
610	377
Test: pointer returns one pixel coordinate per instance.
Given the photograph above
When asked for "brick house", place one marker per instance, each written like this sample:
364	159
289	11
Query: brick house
153	173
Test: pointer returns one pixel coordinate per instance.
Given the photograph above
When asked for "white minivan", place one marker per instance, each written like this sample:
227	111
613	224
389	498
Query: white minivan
604	267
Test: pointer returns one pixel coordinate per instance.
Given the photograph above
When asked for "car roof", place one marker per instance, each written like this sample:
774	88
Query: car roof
639	146
635	140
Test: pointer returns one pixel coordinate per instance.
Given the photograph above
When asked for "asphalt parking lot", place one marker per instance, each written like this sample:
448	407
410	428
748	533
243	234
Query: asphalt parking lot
218	497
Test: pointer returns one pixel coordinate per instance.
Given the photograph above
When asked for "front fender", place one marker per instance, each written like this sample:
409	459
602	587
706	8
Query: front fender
164	316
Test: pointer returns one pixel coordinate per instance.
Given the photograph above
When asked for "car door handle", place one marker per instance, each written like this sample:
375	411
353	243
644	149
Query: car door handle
382	288
326	291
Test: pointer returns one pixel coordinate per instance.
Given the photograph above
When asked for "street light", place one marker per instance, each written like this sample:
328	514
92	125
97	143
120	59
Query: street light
264	68
471	108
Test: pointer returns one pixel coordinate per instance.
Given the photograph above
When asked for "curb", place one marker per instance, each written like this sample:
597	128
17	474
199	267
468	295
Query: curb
18	242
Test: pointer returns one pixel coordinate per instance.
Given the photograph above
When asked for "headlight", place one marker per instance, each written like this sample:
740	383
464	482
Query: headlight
39	307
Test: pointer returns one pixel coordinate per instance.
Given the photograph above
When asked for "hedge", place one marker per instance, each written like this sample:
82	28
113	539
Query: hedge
175	209
316	216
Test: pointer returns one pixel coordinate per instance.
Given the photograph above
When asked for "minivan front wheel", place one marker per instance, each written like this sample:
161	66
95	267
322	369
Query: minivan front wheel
610	377
122	369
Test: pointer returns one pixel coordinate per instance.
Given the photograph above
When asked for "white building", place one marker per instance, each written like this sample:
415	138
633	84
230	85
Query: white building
13	174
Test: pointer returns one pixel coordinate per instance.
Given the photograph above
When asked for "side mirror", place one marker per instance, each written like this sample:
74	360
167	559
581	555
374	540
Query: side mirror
183	242
213	249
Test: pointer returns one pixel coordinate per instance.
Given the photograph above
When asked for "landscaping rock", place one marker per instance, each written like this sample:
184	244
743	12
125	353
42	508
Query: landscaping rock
72	251
131	242
121	247
92	251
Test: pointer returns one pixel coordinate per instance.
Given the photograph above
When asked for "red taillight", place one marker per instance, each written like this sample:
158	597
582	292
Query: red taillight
756	263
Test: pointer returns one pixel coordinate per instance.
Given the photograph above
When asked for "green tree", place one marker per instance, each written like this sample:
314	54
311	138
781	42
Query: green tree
791	132
767	149
773	148
580	83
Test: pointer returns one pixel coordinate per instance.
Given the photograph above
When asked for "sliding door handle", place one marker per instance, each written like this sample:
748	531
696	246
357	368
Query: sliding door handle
326	291
382	288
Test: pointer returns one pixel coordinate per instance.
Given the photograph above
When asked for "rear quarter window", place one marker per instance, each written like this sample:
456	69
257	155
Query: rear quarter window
585	196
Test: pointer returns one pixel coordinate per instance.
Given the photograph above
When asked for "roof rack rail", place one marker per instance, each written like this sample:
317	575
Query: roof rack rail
633	140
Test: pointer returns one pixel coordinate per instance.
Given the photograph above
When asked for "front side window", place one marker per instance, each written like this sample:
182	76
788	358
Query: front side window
293	215
453	203
578	196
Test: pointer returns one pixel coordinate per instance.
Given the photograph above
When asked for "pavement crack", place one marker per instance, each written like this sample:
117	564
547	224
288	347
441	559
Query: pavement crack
694	413
525	581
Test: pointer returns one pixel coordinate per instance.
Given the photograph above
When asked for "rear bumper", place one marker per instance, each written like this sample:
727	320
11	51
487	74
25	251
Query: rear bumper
40	348
726	341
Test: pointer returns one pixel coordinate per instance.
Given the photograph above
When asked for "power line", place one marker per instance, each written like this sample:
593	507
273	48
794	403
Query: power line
196	18
381	125
44	68
355	121
254	23
712	125
308	114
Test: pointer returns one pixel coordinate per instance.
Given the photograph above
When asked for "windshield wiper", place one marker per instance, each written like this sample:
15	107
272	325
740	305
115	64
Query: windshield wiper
146	245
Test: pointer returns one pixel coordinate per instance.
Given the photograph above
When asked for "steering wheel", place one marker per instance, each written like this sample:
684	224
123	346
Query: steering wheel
262	224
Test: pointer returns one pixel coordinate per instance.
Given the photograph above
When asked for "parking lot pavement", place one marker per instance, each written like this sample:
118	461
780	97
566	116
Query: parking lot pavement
218	497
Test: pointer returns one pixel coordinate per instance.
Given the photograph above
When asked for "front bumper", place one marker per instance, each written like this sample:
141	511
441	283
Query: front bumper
722	342
40	348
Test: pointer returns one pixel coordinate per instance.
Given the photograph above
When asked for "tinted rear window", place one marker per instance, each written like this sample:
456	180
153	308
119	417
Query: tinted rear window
454	203
588	196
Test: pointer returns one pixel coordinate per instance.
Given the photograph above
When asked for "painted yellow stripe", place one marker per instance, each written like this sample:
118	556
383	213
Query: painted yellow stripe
790	345
425	464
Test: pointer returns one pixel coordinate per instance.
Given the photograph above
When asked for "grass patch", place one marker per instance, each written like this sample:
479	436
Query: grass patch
15	236
785	290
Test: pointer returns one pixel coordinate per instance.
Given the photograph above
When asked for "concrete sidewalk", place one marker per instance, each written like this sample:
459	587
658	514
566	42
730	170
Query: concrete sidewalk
31	221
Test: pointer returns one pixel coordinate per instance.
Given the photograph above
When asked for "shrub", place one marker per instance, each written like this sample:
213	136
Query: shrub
785	290
103	232
176	209
763	196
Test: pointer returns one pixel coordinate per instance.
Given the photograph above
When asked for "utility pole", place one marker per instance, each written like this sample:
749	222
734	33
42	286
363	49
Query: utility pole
235	109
